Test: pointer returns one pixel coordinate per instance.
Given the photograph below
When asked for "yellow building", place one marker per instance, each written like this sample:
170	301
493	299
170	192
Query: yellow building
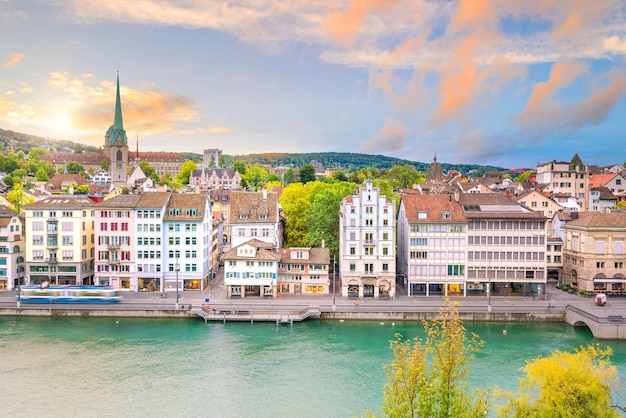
60	240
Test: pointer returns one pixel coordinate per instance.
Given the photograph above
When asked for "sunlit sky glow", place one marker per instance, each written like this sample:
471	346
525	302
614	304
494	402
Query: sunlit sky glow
496	82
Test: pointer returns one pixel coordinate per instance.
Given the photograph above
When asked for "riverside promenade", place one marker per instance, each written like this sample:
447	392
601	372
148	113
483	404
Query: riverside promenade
605	322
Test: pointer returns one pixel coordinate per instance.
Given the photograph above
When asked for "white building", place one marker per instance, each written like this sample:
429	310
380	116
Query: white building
149	254
251	270
367	242
254	215
432	245
188	224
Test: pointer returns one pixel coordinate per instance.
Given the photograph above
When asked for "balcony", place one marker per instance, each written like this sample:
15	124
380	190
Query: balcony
53	260
113	246
113	262
369	242
52	245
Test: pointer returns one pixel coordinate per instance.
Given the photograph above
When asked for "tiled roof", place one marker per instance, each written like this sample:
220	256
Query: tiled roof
186	201
84	159
434	206
316	256
121	201
254	207
58	179
261	254
154	199
486	199
598	180
61	202
159	156
601	220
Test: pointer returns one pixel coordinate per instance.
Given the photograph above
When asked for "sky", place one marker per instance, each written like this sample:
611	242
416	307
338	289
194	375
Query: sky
509	83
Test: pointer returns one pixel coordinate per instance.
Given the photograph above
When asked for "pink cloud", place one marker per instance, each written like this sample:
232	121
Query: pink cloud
14	60
345	26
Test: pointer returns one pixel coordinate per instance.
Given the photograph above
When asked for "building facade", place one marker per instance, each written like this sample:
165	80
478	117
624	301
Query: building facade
594	252
569	178
304	271
251	270
12	249
188	228
432	245
367	242
60	240
254	215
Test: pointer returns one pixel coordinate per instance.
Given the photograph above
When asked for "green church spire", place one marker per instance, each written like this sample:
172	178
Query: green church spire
116	133
118	124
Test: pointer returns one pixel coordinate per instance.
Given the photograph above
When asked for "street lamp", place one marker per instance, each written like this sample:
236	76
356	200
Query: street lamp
177	268
489	288
19	279
334	276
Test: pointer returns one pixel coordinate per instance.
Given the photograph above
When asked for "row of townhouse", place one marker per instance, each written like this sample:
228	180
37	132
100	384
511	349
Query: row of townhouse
463	244
478	243
257	269
149	242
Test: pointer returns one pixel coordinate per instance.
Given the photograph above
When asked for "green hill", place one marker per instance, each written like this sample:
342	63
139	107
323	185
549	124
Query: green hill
346	161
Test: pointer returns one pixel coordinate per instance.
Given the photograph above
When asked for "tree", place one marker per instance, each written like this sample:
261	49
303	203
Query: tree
82	189
323	216
74	167
186	169
404	176
307	173
289	177
41	175
78	149
256	176
36	153
428	378
18	199
222	161
565	384
340	176
240	167
104	164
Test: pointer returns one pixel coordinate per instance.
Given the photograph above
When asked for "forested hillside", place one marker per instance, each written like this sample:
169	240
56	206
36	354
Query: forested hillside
24	142
346	161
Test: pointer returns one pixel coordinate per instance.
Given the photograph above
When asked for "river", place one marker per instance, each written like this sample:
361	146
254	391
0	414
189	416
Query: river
100	367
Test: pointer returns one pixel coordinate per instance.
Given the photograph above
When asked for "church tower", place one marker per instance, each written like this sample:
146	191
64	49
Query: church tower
116	144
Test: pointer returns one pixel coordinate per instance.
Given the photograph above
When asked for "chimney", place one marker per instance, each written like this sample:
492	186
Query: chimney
264	194
323	243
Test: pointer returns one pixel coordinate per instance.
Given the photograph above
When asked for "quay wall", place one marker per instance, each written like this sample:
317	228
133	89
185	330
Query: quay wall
466	316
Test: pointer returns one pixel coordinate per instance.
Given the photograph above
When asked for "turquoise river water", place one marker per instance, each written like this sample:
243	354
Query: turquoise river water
70	367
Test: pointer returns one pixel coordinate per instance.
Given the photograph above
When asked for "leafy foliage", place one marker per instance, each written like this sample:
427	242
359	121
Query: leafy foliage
428	378
565	385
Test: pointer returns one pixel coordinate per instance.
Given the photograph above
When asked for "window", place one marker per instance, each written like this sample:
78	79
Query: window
600	264
352	250
352	267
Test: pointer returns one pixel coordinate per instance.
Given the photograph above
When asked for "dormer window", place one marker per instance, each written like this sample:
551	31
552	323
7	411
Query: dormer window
243	216
422	215
263	216
446	215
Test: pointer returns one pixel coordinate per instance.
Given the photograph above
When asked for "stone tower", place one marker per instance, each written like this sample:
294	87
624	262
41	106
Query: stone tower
116	144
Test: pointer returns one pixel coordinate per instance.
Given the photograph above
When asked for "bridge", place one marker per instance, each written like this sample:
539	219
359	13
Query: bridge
611	327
